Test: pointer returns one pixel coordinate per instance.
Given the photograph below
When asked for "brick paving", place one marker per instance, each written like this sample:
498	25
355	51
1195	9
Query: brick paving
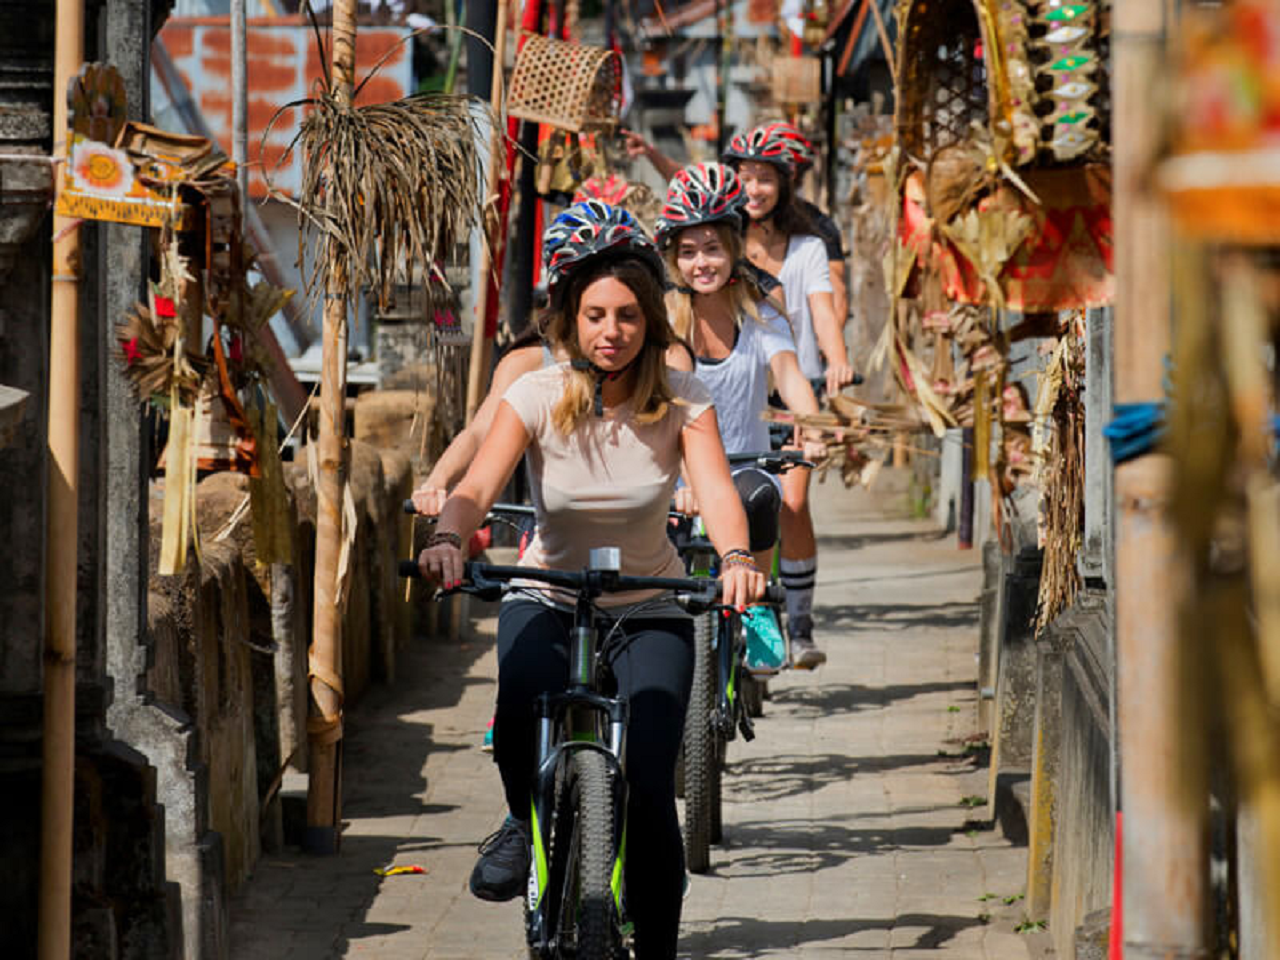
846	830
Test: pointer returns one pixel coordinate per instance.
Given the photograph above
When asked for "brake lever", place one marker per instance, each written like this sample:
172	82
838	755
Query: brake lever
701	602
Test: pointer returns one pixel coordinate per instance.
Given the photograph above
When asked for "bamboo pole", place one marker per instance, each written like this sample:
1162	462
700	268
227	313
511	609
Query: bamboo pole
240	99
1163	791
59	734
477	370
324	726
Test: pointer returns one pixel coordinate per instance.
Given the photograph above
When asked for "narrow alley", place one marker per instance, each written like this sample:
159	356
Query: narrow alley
853	821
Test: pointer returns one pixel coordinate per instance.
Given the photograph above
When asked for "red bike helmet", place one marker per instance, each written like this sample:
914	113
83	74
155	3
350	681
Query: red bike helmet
802	154
612	189
700	193
587	230
767	143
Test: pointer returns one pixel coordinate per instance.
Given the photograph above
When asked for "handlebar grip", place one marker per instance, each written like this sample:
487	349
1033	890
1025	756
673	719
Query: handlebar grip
857	379
775	593
408	507
410	569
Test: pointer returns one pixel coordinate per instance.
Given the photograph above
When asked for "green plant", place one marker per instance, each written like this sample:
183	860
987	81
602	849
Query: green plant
971	802
1012	899
1030	926
953	709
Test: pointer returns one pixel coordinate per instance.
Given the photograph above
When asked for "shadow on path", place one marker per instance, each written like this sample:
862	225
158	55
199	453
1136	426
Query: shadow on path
780	776
782	847
747	937
858	541
299	905
881	617
826	699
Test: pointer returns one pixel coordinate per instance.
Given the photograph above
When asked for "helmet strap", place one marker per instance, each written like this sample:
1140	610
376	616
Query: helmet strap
601	376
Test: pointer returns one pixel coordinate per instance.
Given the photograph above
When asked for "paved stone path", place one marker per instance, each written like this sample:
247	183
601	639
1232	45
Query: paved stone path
846	827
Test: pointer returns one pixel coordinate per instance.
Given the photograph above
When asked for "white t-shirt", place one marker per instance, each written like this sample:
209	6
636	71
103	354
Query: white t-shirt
739	383
805	271
608	484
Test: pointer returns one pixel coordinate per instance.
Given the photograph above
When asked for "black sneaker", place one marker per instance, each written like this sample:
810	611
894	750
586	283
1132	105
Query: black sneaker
502	871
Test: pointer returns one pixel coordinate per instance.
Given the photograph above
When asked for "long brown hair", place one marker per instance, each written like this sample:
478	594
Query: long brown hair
653	395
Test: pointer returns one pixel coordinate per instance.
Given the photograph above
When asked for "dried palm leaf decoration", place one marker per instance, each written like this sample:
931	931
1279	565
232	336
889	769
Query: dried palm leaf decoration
387	183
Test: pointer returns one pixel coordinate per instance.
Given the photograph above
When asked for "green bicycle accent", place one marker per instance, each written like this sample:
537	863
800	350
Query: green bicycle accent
615	881
539	858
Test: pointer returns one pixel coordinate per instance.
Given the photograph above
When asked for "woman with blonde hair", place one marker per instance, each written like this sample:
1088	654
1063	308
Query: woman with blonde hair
606	433
739	339
780	241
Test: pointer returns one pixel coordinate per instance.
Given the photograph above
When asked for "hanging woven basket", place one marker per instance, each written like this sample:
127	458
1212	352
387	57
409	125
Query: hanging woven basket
1033	75
797	79
567	85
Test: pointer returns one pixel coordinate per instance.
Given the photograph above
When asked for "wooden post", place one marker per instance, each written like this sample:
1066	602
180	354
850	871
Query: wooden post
59	735
1164	845
324	725
478	368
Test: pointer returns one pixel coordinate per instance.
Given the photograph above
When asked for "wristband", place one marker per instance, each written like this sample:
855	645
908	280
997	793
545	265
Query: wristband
738	558
444	536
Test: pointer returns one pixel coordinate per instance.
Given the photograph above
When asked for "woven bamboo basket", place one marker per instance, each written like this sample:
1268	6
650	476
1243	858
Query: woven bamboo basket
942	77
797	79
567	85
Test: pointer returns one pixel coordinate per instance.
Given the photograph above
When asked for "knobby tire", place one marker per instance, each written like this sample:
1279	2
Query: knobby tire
700	749
587	928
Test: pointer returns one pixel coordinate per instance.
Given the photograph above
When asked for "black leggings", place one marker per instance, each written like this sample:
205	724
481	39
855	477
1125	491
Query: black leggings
654	669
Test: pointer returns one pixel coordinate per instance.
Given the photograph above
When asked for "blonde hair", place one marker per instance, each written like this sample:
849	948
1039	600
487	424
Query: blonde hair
653	396
744	296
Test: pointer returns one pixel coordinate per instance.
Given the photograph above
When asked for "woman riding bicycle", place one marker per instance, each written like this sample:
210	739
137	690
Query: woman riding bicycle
738	339
780	241
606	434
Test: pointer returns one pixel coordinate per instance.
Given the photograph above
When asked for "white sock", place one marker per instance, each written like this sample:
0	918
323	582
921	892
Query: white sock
798	577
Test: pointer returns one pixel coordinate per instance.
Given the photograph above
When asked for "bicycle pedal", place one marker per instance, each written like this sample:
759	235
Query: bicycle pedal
747	727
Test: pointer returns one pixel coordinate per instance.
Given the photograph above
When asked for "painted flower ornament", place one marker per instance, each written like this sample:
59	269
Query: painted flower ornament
101	170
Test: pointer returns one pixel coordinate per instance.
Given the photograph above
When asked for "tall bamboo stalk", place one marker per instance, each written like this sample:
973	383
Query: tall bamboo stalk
324	727
478	368
240	99
1163	778
58	771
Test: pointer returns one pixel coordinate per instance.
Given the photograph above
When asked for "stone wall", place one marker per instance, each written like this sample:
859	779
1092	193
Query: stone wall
229	639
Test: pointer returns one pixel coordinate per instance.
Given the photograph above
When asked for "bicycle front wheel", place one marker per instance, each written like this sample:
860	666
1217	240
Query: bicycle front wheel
587	927
700	750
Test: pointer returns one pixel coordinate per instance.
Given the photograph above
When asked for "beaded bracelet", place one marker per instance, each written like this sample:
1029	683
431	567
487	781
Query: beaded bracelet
738	558
444	536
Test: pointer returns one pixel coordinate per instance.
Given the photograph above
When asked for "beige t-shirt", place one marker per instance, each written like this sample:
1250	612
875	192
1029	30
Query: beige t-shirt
608	484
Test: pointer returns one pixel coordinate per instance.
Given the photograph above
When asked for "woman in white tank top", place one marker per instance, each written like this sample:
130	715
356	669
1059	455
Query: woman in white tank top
780	242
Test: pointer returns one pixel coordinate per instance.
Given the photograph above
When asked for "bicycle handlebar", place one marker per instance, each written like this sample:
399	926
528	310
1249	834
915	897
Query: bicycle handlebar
488	580
511	509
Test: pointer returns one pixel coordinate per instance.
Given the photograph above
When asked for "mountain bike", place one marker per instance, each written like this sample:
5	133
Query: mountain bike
725	696
575	905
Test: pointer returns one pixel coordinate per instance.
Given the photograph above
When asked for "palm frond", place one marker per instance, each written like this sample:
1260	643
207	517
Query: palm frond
387	185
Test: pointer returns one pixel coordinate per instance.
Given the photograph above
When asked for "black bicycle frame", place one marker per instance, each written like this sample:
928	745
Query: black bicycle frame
568	711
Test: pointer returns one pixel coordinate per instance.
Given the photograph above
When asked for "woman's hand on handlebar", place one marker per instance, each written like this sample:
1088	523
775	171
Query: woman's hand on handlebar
839	376
442	563
685	502
814	449
429	500
740	585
